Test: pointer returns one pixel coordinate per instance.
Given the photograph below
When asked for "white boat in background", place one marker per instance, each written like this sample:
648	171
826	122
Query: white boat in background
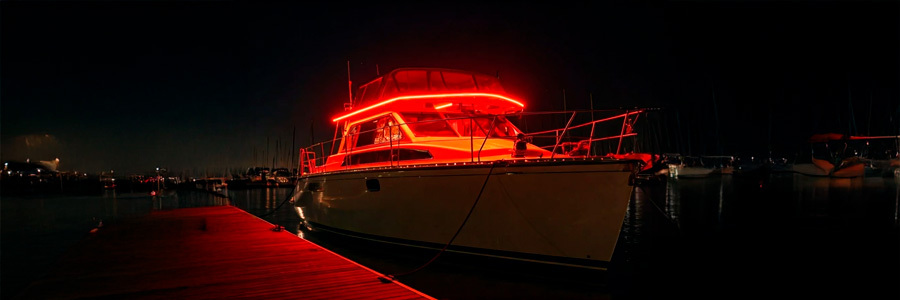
50	165
699	166
844	156
432	158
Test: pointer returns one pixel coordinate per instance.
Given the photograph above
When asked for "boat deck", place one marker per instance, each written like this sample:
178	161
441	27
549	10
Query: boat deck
208	252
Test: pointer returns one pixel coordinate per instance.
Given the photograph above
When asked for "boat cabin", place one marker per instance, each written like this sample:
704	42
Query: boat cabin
427	115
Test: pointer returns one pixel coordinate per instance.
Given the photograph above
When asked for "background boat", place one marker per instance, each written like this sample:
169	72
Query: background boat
844	156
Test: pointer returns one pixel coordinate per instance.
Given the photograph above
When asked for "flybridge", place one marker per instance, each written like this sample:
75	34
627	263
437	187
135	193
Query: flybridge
432	116
420	89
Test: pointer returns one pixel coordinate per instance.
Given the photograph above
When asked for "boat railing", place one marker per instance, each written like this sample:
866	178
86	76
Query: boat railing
313	157
568	140
572	140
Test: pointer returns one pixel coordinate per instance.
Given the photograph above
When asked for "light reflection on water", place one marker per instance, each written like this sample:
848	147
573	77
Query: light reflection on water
804	235
37	230
689	237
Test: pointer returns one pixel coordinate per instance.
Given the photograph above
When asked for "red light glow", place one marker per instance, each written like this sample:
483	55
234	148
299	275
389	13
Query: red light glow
385	102
442	106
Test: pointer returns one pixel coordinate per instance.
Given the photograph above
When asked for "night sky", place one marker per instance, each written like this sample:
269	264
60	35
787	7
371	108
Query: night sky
205	86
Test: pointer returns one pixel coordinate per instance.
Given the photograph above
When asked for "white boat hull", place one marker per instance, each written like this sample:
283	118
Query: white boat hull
553	212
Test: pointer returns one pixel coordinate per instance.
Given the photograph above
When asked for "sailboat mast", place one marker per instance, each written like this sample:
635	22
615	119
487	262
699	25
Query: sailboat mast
869	118
851	122
291	151
716	113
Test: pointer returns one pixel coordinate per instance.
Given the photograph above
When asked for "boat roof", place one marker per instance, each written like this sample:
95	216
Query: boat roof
431	89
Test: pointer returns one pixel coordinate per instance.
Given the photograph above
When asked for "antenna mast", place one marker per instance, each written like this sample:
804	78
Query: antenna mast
349	105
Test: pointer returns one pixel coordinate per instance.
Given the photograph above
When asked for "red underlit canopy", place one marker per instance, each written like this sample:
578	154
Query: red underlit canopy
428	89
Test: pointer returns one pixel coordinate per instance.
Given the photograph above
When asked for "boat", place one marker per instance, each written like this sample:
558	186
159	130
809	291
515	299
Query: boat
680	166
50	165
260	177
216	184
431	157
752	166
846	156
282	177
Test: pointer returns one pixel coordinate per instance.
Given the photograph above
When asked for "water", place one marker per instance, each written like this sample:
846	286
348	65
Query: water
782	234
37	230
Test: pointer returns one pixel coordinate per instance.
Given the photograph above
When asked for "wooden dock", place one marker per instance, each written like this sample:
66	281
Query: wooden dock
207	253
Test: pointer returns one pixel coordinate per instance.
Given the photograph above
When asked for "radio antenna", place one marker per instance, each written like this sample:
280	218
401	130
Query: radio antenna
349	105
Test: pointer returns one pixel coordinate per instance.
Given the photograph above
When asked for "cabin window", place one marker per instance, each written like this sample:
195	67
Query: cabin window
387	130
411	81
480	125
378	156
436	81
428	124
361	134
458	81
376	131
390	87
421	80
366	133
488	84
352	136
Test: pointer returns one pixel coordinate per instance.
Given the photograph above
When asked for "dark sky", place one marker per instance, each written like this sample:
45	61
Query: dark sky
203	85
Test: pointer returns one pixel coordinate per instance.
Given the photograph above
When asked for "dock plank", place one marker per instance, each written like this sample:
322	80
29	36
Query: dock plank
207	253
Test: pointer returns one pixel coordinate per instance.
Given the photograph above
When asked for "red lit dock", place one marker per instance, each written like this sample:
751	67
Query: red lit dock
209	252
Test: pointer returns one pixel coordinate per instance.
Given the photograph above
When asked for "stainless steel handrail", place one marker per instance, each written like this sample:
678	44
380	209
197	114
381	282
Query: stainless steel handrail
321	160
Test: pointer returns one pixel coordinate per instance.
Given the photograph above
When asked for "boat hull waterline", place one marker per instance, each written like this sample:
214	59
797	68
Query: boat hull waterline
557	212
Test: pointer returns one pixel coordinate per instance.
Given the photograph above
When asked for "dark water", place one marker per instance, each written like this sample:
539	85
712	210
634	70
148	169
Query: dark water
782	235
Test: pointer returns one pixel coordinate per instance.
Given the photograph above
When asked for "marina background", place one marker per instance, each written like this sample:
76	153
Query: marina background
112	85
145	106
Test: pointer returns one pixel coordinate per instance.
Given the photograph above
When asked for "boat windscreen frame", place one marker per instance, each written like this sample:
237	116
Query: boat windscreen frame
456	122
397	133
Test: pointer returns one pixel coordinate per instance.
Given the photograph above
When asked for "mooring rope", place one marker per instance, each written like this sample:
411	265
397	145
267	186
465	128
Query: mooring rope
458	230
279	227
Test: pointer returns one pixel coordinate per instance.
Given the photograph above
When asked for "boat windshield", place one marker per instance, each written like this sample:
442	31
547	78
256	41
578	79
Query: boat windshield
456	125
482	125
428	124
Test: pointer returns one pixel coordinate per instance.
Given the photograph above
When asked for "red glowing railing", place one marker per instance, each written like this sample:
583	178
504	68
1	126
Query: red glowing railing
579	140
